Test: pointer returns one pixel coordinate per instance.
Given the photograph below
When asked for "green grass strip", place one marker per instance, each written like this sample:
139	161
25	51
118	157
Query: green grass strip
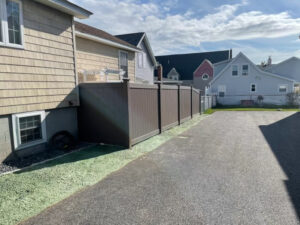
278	108
26	193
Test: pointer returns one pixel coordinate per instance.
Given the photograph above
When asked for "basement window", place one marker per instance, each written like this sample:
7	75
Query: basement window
11	23
29	129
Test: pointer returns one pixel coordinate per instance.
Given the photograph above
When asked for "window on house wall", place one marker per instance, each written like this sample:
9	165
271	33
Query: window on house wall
253	88
140	60
144	60
245	70
221	90
205	76
282	88
11	24
235	70
123	62
29	129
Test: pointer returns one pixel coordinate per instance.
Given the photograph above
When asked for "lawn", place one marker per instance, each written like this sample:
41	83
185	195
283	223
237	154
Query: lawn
239	108
26	193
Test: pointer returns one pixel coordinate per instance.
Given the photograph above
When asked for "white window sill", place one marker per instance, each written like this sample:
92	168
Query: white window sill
21	47
31	144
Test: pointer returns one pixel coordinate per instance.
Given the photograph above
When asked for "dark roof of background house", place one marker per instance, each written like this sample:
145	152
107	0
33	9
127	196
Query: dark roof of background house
186	64
83	28
133	38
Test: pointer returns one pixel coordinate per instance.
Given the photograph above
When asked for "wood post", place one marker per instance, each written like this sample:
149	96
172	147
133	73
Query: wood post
127	91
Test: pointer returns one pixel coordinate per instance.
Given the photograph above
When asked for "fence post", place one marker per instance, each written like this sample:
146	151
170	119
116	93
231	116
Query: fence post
192	101
127	89
179	104
159	84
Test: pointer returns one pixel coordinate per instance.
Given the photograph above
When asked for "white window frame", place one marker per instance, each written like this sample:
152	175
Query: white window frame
121	51
204	75
221	88
144	59
5	33
16	129
243	70
238	72
251	88
286	87
140	60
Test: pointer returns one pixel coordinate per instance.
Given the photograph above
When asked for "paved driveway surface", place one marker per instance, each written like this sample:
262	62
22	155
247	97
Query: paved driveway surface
232	168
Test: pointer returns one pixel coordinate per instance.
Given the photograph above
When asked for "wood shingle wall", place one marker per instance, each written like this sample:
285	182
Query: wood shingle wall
40	76
96	56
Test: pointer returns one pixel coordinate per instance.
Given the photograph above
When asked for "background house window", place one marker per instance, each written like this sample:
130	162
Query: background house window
221	90
11	23
235	70
282	88
253	88
245	70
140	60
205	76
29	129
123	62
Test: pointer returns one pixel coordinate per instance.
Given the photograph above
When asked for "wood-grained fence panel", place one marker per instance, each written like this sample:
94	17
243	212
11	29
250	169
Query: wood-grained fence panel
185	103
196	101
143	105
169	106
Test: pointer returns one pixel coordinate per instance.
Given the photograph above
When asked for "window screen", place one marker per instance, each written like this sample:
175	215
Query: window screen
245	70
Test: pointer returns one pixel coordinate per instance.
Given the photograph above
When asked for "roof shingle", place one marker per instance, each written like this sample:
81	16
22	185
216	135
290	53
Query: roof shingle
186	64
83	28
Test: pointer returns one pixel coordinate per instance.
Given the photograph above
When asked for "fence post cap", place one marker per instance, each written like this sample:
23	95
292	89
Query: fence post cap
126	80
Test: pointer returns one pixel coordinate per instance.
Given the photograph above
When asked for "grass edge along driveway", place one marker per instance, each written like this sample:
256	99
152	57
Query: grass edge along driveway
26	193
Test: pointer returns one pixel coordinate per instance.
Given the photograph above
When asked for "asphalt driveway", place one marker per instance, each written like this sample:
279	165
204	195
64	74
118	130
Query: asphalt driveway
232	168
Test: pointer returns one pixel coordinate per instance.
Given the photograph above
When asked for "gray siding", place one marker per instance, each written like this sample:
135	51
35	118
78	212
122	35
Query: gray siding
289	69
146	73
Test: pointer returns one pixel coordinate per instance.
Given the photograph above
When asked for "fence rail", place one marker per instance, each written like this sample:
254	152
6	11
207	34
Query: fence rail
125	113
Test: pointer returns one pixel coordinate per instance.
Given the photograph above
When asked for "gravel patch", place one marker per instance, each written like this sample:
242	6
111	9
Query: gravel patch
23	162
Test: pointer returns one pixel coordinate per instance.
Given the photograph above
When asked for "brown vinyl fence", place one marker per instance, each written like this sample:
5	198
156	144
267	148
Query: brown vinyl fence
125	113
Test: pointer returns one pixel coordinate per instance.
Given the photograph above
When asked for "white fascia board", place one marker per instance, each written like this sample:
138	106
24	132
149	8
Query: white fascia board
105	41
149	49
67	7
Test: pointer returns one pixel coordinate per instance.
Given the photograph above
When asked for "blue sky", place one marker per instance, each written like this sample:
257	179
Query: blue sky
258	28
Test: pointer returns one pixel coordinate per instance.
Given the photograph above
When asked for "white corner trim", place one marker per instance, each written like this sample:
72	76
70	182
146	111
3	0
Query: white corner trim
105	41
16	129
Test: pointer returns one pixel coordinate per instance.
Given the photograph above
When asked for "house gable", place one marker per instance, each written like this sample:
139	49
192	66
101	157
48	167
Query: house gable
205	67
241	58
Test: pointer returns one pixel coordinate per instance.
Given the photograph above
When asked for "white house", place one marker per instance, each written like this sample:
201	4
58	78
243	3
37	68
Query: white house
240	81
145	62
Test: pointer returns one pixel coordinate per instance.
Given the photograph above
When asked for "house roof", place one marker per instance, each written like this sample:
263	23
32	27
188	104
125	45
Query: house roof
133	39
186	64
67	7
87	31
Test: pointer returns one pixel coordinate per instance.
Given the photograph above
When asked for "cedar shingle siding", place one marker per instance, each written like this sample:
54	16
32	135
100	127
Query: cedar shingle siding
40	76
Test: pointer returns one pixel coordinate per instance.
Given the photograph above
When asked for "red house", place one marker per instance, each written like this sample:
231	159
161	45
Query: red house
203	75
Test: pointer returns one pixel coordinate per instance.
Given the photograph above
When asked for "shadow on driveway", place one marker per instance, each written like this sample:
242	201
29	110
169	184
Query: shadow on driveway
284	139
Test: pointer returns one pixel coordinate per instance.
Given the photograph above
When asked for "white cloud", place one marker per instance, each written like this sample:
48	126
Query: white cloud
176	32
